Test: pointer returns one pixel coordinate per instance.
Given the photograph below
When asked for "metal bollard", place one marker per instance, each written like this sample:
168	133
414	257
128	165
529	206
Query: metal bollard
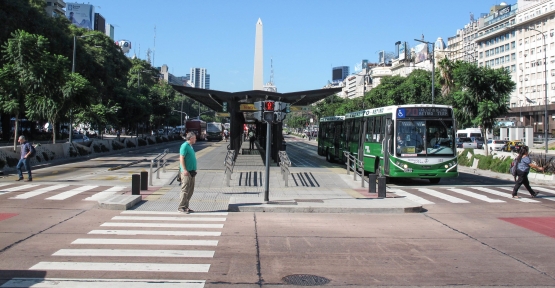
158	170
150	174
144	180
354	171
348	165
164	166
135	184
381	187
361	176
372	183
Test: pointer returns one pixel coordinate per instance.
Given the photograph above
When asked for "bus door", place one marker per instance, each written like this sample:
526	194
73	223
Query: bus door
362	139
387	144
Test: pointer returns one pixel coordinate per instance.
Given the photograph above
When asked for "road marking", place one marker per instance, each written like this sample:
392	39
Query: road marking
134	253
17	188
411	197
502	194
38	192
519	199
105	194
174	213
476	195
144	242
162	225
165	233
443	196
102	283
73	192
110	266
166	218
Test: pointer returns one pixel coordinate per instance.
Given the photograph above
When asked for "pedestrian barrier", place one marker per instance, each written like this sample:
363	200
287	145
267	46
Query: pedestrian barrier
356	165
159	158
229	164
284	164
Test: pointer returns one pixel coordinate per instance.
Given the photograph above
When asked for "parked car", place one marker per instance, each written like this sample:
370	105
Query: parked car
512	146
479	142
79	138
496	145
161	131
466	142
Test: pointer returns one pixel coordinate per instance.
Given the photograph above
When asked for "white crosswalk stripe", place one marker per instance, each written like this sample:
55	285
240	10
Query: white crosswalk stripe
105	194
102	283
411	197
165	233
526	191
39	191
17	188
162	225
174	213
135	253
503	194
443	196
109	241
136	267
70	193
139	218
476	195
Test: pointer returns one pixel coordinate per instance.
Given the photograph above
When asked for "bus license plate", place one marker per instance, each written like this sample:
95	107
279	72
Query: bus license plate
408	170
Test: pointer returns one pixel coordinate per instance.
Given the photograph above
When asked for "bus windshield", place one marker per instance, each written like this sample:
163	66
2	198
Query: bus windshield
214	128
425	138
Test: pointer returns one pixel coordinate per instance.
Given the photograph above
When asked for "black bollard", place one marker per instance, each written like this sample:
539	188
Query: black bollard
144	180
135	184
372	183
381	187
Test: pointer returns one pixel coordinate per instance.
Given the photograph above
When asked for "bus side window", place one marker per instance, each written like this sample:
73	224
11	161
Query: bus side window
377	129
369	129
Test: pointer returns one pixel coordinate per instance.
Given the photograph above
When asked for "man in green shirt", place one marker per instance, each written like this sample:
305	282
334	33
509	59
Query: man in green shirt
188	170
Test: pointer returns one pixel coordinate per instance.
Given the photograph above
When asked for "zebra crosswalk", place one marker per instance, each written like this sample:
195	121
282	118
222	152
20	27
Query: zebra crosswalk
471	194
130	257
57	192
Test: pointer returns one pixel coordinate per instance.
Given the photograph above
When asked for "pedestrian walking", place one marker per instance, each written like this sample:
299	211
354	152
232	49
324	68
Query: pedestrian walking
25	159
522	171
188	170
252	137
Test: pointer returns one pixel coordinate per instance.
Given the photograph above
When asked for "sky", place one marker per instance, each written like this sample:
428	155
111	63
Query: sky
304	38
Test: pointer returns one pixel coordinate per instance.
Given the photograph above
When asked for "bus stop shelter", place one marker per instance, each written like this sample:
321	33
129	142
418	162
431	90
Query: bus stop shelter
240	109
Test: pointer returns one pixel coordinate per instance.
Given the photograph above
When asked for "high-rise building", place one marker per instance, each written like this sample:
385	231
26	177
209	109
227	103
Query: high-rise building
339	74
258	78
99	23
199	78
168	77
109	31
55	8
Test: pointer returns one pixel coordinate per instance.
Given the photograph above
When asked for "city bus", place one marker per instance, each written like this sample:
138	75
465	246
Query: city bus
330	135
214	131
197	126
405	141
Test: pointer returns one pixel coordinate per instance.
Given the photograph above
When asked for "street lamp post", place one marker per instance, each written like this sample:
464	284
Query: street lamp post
433	64
73	71
545	120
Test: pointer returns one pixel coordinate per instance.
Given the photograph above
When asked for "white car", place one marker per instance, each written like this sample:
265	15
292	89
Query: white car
78	138
496	145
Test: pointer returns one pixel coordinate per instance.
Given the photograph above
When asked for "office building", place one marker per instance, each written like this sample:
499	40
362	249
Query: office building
199	78
55	8
339	74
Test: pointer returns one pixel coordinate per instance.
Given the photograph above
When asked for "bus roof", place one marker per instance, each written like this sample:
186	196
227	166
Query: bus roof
390	109
332	118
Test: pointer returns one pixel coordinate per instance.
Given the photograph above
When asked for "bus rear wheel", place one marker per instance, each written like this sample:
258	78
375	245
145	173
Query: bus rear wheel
434	180
329	157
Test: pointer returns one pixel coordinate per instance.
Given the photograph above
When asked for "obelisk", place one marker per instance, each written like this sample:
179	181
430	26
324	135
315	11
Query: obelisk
258	79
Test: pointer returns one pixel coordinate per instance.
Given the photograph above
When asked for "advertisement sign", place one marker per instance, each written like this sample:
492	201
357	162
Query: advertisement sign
80	15
402	51
421	52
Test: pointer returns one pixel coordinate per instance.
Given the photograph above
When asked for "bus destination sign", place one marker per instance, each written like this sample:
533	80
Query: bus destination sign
423	112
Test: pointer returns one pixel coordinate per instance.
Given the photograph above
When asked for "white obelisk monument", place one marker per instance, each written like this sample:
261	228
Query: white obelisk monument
258	79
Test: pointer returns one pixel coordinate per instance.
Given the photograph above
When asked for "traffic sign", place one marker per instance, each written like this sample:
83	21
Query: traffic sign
247	107
222	114
299	108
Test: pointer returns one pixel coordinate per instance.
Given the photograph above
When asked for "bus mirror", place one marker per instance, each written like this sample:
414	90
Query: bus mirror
389	129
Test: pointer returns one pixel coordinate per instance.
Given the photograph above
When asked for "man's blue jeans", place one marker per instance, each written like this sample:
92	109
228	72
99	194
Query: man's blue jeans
24	162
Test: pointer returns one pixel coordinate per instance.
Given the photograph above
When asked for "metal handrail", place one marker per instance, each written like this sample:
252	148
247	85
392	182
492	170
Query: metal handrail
229	164
284	164
158	158
357	165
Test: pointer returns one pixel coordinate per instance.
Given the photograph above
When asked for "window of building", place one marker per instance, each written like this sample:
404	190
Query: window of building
513	68
520	78
502	60
507	58
533	76
496	50
507	47
496	61
487	53
526	40
502	38
552	46
532	51
533	64
513	45
481	54
527	65
519	42
502	48
520	66
520	54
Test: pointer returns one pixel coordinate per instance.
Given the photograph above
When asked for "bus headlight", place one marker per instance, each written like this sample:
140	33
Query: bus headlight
405	166
446	166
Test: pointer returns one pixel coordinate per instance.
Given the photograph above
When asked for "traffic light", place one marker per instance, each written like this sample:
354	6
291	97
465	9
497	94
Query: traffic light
287	108
280	106
259	105
258	115
224	107
269	106
279	116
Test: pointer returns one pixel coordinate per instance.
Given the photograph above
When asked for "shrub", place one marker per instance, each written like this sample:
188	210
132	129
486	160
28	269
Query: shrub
158	139
130	144
96	148
116	145
103	148
38	159
142	142
12	162
82	151
150	141
3	163
45	155
72	152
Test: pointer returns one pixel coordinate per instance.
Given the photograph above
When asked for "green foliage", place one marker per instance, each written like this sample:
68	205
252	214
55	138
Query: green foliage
463	159
72	152
150	141
130	144
96	148
3	163
45	155
117	145
141	142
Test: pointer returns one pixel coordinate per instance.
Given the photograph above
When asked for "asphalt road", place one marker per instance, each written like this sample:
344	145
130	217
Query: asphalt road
452	244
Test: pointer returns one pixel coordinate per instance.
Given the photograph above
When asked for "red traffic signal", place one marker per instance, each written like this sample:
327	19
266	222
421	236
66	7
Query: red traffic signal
269	105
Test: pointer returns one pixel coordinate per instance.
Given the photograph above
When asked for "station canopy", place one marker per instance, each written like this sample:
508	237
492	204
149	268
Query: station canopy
213	99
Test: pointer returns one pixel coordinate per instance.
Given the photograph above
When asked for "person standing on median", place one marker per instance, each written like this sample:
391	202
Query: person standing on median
24	161
522	171
188	170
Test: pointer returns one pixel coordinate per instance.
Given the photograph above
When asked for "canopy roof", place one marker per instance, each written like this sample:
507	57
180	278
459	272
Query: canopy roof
213	99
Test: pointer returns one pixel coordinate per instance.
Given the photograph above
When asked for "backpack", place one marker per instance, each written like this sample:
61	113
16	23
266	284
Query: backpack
251	134
33	151
513	168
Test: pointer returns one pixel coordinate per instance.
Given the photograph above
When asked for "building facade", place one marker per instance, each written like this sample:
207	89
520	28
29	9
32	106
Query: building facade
199	78
168	77
338	74
55	8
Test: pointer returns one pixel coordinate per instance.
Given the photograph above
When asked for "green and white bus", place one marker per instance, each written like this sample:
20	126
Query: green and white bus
405	141
330	137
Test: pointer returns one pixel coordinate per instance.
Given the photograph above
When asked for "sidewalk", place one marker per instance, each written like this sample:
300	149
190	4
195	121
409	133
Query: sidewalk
311	190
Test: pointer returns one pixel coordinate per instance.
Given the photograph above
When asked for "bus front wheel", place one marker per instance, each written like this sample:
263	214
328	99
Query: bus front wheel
329	157
434	180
